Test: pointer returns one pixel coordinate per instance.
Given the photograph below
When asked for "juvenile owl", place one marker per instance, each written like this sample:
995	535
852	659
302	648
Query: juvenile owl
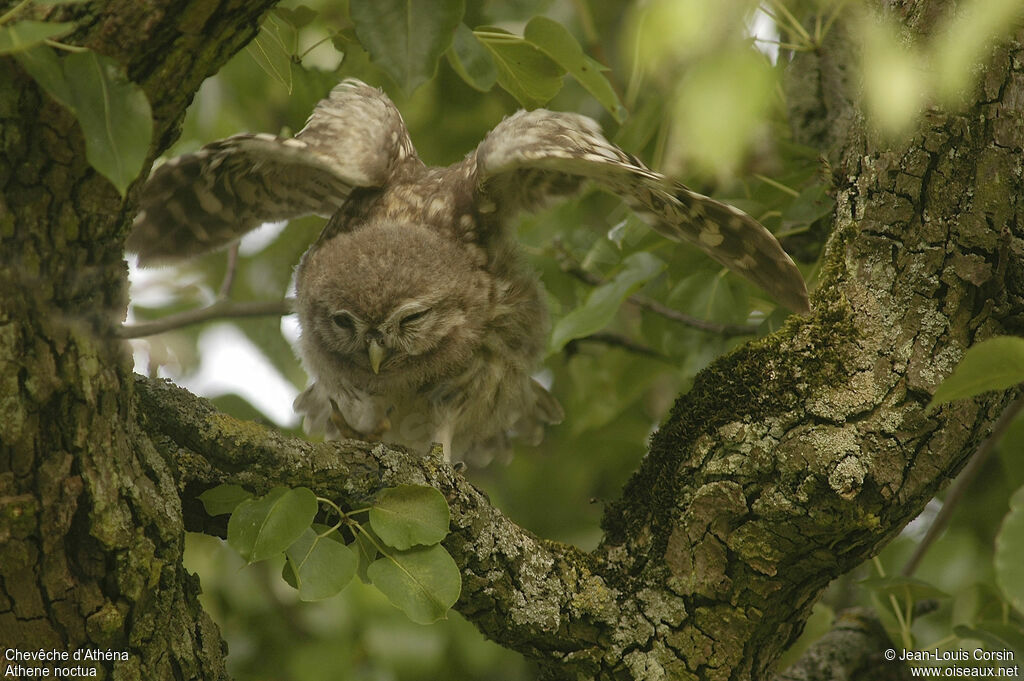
420	322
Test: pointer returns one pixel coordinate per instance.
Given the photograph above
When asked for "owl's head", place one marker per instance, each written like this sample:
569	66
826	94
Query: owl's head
389	304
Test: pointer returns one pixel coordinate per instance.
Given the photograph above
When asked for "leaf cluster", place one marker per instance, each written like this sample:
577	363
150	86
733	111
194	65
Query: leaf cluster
113	112
397	548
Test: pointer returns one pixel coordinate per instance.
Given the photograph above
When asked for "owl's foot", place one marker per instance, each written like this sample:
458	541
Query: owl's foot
383	426
345	429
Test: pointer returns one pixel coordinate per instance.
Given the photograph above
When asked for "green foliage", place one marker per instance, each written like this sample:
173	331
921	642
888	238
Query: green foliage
524	71
993	364
1009	555
223	498
24	35
404	37
114	113
320	564
604	301
405	527
409	515
471	60
263	527
424	582
906	588
554	40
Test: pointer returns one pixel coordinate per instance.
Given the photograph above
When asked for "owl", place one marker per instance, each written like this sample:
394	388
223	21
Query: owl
420	322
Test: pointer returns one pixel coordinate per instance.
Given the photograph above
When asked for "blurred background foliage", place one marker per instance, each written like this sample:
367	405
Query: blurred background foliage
691	87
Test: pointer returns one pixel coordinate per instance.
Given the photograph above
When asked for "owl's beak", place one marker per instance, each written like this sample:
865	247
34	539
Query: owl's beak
377	354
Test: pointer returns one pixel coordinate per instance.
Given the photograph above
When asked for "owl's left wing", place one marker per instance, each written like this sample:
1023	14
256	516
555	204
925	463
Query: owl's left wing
534	156
204	200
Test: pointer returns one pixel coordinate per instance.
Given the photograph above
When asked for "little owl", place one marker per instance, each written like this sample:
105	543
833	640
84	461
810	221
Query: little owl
420	322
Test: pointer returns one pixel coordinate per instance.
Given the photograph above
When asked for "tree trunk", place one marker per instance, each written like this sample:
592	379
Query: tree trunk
791	460
91	531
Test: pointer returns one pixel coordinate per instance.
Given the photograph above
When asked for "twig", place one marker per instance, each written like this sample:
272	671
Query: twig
570	266
222	309
229	272
963	481
616	340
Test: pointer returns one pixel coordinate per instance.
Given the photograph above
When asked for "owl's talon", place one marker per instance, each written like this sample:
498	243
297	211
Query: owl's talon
344	429
383	426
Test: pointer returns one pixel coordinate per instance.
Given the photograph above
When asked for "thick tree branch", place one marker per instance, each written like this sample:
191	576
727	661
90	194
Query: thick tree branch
526	593
853	650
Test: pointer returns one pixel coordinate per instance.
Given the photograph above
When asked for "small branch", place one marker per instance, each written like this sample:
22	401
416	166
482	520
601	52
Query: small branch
229	272
963	481
616	340
222	309
570	266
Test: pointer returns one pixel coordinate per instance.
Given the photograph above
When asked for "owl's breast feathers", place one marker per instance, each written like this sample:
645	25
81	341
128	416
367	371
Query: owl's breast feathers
423	237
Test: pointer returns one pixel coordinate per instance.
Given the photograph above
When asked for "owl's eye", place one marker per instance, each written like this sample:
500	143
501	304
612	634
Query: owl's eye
415	316
343	320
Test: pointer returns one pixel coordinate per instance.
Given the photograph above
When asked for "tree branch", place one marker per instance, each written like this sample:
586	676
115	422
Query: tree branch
853	650
535	596
222	309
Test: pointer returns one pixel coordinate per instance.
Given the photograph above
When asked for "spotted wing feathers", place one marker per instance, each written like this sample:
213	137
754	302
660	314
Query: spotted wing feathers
205	200
534	156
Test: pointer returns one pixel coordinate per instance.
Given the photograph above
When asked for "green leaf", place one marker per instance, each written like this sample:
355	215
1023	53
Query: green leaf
422	582
408	515
812	203
404	37
320	565
554	40
263	527
112	111
1009	553
296	17
471	60
1017	499
22	35
366	550
528	74
271	54
223	498
993	364
903	587
604	301
998	635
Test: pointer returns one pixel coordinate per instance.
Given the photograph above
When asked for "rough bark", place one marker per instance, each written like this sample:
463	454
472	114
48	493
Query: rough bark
854	650
91	533
790	461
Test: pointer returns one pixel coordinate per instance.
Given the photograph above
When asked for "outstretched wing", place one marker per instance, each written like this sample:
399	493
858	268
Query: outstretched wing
201	201
534	156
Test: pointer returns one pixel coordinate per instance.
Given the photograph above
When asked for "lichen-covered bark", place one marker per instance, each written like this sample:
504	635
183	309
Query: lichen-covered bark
790	461
91	532
798	456
854	650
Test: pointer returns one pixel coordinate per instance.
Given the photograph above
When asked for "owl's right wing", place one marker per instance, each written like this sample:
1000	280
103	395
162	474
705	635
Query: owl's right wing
205	200
532	157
